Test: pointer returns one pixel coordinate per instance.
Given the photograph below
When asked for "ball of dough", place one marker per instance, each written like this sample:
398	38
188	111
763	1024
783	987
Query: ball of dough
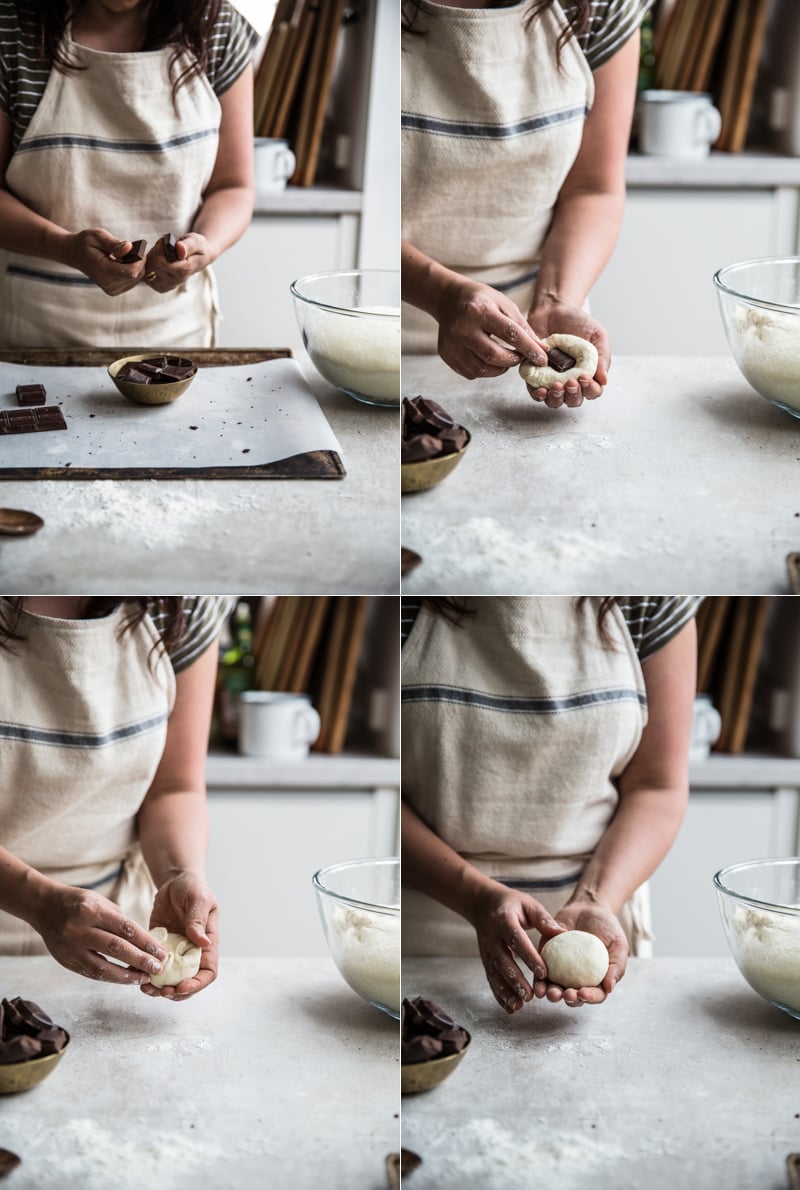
583	352
575	959
182	961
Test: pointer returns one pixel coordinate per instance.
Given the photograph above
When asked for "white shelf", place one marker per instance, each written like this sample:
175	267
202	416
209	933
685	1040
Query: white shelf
227	770
308	200
749	170
746	772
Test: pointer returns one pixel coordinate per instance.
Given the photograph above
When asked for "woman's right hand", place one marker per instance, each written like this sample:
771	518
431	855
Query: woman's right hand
472	317
501	916
93	252
79	927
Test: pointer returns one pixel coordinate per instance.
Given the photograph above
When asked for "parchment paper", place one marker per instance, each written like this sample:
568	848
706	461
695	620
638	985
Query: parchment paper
239	417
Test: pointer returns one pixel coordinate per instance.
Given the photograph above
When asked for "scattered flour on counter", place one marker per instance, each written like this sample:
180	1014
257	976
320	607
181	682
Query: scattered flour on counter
495	1158
769	352
770	954
122	511
581	445
368	953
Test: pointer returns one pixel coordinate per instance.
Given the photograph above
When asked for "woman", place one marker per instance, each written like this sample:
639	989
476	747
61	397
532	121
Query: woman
516	118
545	745
107	704
120	121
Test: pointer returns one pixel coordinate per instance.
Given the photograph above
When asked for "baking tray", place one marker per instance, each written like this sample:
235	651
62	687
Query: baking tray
264	410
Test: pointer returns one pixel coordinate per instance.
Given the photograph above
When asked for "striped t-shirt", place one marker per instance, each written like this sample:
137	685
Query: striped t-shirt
24	75
611	24
652	620
204	616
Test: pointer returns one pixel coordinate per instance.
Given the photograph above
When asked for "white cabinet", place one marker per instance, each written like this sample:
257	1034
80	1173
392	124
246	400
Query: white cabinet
255	274
722	826
656	295
269	834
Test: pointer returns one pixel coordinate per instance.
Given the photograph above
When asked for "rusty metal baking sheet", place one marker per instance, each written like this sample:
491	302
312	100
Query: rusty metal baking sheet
231	422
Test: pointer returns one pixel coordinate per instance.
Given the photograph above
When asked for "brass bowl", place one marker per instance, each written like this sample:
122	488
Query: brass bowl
424	1076
21	1076
418	477
150	394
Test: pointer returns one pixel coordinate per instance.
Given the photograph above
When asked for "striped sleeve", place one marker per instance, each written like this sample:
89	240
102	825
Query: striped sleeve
611	24
204	616
409	610
230	48
23	74
654	620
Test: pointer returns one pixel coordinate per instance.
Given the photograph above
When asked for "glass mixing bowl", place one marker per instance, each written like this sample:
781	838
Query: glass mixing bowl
350	323
359	903
760	906
760	305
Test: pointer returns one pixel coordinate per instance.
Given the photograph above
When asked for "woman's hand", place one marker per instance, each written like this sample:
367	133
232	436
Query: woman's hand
96	252
186	905
472	317
554	318
194	255
80	928
594	919
501	917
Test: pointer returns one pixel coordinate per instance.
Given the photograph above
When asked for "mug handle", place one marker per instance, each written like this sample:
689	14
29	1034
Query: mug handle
286	159
708	125
307	724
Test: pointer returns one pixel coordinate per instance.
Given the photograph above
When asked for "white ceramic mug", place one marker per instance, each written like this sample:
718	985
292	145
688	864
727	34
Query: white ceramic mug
677	123
706	727
275	725
273	163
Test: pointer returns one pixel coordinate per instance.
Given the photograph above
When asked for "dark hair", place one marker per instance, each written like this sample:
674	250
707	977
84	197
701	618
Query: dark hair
455	610
578	22
171	607
184	24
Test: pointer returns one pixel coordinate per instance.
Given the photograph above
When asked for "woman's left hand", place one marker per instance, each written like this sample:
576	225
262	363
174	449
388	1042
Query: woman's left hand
553	319
594	919
194	255
185	904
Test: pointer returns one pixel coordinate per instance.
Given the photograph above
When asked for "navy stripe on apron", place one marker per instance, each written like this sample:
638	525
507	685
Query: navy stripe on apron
524	885
515	282
413	123
55	278
76	141
74	739
520	705
112	876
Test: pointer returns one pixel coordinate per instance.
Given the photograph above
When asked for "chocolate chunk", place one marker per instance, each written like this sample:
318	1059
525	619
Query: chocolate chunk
8	1161
138	249
428	1032
170	250
31	421
428	431
421	446
31	394
26	1032
158	369
409	560
559	360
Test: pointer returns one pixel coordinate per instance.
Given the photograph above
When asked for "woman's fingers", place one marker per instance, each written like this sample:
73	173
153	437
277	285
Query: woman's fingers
95	966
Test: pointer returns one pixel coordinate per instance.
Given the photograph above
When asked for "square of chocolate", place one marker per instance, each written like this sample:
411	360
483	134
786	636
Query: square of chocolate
31	421
137	252
31	394
560	361
170	249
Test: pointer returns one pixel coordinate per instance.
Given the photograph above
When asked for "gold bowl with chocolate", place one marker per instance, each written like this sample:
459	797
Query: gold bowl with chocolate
146	391
23	1076
427	473
424	1076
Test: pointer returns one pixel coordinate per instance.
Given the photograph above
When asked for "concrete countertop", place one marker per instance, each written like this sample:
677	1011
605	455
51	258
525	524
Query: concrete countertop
278	1075
750	170
679	478
286	536
684	1077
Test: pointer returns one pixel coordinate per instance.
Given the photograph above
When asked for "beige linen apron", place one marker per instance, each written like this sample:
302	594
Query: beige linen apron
83	720
515	725
491	128
107	147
